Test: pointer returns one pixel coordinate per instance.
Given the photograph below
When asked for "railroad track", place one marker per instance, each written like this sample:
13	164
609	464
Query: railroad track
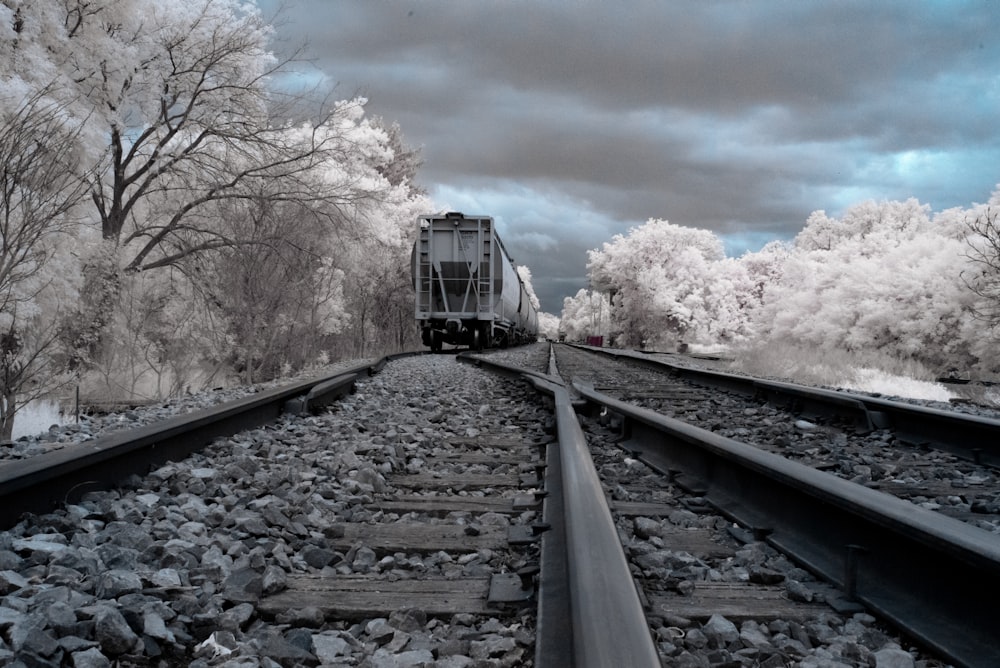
831	432
924	572
968	436
683	592
448	522
448	530
408	502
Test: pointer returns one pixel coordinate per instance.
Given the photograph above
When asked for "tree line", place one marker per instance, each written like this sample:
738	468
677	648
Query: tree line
887	281
172	218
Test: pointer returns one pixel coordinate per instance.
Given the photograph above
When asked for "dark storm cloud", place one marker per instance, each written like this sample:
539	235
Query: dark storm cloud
572	121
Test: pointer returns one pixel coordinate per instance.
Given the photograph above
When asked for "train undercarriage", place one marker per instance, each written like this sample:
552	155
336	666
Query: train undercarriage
476	335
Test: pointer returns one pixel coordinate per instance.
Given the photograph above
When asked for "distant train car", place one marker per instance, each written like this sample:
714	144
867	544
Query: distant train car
468	292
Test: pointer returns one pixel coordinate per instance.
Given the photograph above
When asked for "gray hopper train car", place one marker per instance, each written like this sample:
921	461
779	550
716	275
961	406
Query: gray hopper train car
468	292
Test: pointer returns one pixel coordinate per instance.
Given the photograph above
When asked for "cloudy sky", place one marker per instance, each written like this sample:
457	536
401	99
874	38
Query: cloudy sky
570	122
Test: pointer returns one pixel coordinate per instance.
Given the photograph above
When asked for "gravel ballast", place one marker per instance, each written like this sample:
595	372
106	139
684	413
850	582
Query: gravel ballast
169	569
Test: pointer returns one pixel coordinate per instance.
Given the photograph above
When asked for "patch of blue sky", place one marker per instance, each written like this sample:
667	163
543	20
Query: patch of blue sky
940	178
305	77
747	241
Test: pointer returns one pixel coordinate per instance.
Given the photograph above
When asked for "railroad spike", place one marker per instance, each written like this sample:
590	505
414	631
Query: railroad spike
538	528
527	575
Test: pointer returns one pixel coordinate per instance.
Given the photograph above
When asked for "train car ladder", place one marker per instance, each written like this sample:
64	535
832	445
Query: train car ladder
425	272
486	273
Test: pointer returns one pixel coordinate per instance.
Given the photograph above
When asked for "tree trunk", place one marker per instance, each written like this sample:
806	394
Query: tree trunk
8	406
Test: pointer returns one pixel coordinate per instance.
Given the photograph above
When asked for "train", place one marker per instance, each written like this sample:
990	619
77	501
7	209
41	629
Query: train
468	292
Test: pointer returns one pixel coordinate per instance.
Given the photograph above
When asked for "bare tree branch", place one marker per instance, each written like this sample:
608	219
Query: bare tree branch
984	254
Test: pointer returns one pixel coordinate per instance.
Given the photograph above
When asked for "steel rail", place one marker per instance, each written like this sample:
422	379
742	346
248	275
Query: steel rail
44	482
932	576
972	437
582	556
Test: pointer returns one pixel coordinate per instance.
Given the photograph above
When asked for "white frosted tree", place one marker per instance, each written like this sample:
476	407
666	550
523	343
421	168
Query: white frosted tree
275	296
764	268
548	325
180	114
525	273
871	225
587	313
373	249
883	281
182	123
304	277
983	276
40	188
671	284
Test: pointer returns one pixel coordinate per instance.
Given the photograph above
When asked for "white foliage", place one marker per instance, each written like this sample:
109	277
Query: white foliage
885	278
888	281
876	380
525	274
175	107
39	265
330	315
587	313
548	325
672	284
872	225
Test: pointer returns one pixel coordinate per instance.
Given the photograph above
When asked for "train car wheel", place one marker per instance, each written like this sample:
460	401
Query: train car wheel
435	341
477	339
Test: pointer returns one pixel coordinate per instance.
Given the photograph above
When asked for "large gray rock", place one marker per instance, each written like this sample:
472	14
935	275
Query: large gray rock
154	626
273	645
409	619
316	556
244	585
90	658
893	657
9	560
11	581
117	582
309	617
332	649
61	618
491	647
126	534
45	543
117	556
646	528
720	631
236	618
274	580
113	633
165	577
364	560
34	639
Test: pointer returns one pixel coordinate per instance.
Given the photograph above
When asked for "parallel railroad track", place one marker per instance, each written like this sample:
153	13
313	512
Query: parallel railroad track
836	437
928	574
